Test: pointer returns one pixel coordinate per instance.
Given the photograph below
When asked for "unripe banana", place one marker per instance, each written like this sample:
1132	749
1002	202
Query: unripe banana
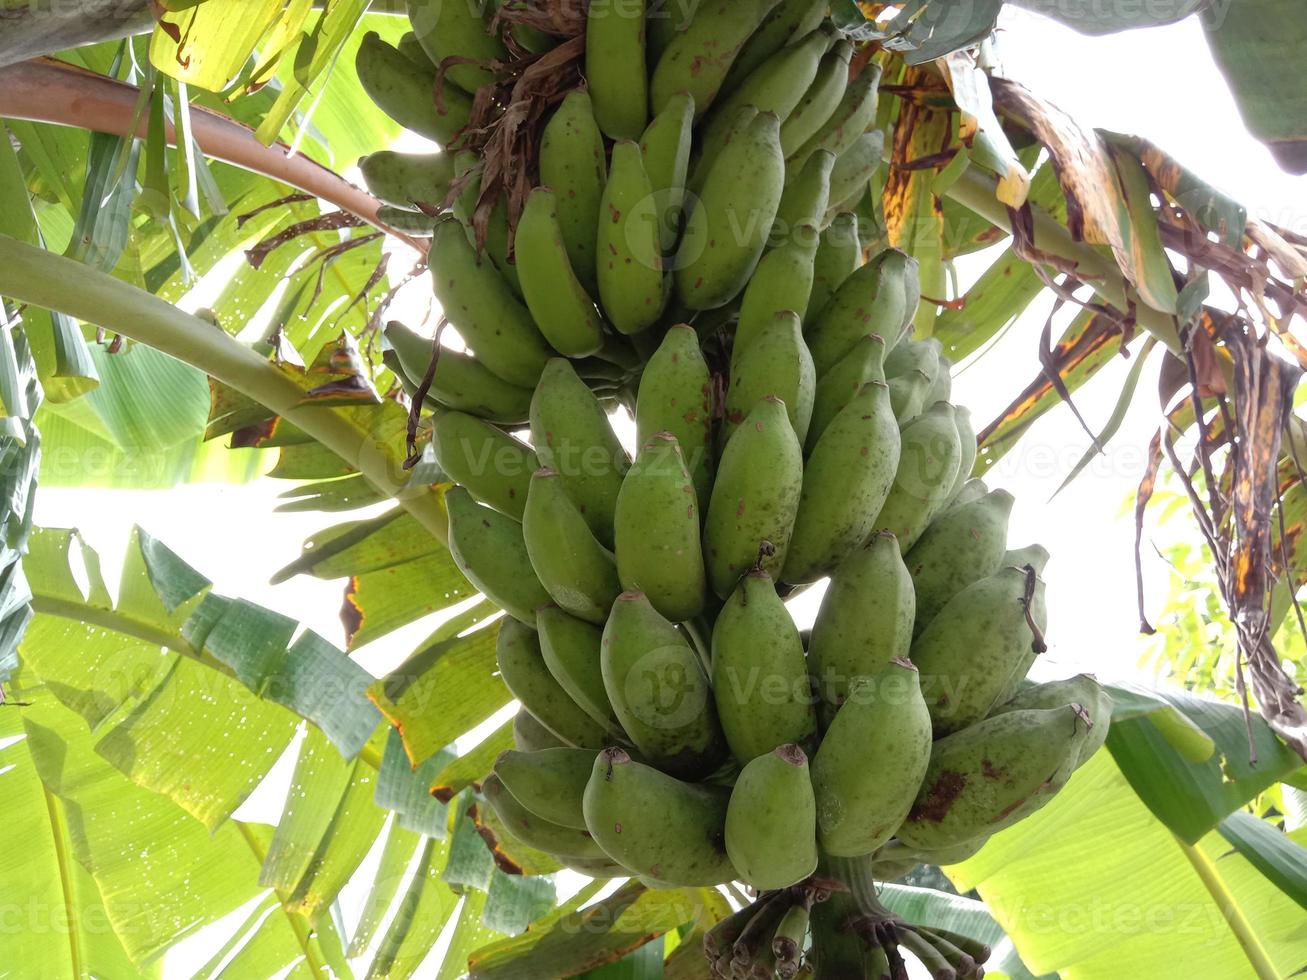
782	282
993	774
676	396
928	466
698	58
418	224
496	241
863	796
495	467
1084	690
838	256
574	164
411	48
849	120
771	820
526	677
962	546
457	29
666	147
1034	555
571	435
914	355
701	166
405	92
776	86
968	446
774	362
559	304
402	179
570	648
460	381
788	21
664	20
615	66
488	549
597	868
880	297
941	390
841	384
806	198
656	825
658	690
576	570
657	531
533	830
973	489
728	226
549	783
481	306
820	101
865	619
531	736
759	677
630	262
847	480
754	498
973	653
854	169
908	394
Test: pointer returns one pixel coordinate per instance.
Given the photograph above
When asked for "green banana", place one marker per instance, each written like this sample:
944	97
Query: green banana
967	444
863	796
820	101
460	381
705	157
524	673
666	146
654	824
571	435
865	619
615	66
629	248
841	384
698	58
559	304
941	390
530	736
908	395
676	396
404	92
496	241
457	29
774	362
657	531
411	48
928	466
574	164
488	548
962	546
482	308
914	355
782	282
989	776
549	783
728	226
759	677
418	224
402	179
771	820
658	690
532	829
838	256
849	120
570	648
495	467
597	868
776	86
664	20
973	653
847	480
576	570
804	202
854	169
1034	555
878	298
787	21
1084	690
971	490
754	498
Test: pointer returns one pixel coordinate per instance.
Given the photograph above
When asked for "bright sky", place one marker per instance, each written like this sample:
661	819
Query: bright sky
1160	83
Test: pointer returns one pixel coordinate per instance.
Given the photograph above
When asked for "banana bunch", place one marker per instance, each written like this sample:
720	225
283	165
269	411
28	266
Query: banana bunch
690	254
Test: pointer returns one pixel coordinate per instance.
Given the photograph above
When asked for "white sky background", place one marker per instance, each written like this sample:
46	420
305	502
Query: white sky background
1160	83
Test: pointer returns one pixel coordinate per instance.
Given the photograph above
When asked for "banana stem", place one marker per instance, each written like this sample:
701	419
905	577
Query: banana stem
1243	931
53	282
